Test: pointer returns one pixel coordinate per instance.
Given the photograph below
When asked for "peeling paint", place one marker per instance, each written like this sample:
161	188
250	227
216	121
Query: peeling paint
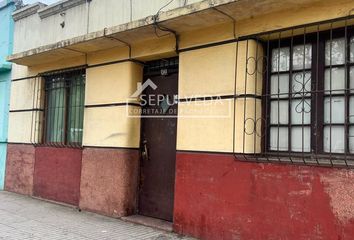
339	185
261	201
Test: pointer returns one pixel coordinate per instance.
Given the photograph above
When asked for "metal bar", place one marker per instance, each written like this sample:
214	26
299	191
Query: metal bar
23	79
347	86
303	99
290	94
62	71
234	100
330	97
114	105
314	103
255	100
267	98
230	17
278	107
209	98
245	99
26	110
34	116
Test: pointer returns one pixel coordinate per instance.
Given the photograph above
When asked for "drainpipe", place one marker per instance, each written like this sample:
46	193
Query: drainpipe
88	16
131	10
119	40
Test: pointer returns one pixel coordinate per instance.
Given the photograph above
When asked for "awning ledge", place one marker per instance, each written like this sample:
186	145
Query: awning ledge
191	17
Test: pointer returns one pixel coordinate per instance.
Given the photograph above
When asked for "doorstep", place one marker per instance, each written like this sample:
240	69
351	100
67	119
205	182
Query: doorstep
150	222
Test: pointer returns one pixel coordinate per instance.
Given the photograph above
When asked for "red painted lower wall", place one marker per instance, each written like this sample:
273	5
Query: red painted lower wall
57	174
219	198
19	168
109	181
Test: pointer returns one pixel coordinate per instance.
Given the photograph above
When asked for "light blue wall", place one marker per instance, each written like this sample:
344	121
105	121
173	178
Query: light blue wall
6	45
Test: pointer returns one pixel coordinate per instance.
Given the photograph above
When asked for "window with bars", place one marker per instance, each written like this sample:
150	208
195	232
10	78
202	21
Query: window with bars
311	93
64	108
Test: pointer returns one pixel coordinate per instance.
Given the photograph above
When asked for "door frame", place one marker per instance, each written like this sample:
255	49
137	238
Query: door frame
172	67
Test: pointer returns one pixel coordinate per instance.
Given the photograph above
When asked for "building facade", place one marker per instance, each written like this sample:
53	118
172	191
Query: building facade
231	119
6	44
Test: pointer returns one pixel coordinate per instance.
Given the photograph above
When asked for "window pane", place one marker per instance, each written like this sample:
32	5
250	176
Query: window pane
351	139
299	62
56	110
301	111
282	89
335	81
279	139
280	59
301	84
337	106
352	49
333	139
351	109
76	110
301	139
336	54
275	116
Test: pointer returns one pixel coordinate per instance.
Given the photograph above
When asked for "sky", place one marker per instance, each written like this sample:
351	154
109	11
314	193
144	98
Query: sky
43	1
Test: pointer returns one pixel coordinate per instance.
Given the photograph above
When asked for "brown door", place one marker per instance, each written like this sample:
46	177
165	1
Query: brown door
158	143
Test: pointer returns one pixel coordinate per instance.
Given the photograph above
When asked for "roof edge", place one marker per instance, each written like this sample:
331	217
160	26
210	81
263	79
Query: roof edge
59	7
133	25
27	11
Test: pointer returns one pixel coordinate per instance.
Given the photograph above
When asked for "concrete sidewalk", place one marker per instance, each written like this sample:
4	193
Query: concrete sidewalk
26	218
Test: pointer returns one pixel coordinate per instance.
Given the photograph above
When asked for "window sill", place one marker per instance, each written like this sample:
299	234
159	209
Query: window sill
340	161
59	145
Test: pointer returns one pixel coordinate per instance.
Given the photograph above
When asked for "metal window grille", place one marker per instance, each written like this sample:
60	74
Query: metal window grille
308	95
64	108
161	67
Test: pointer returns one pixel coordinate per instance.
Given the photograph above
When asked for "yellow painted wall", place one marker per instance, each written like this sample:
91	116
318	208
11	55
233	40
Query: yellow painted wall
208	71
104	85
24	93
205	126
211	72
160	47
112	83
217	33
212	128
249	67
19	71
58	65
248	125
111	127
25	127
209	126
109	55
